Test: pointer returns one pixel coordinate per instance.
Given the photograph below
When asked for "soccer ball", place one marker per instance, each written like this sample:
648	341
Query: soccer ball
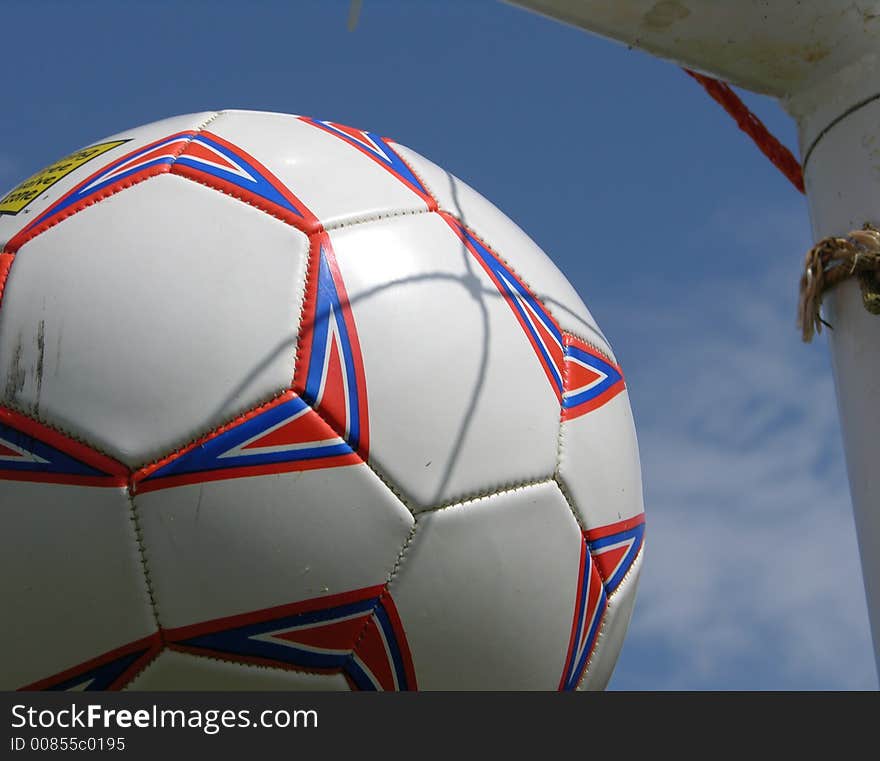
287	406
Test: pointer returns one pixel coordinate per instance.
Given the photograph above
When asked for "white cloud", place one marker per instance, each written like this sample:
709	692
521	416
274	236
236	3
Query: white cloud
752	578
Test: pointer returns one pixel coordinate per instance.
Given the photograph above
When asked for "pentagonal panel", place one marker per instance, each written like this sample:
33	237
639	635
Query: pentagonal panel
152	316
283	570
487	592
72	585
337	172
181	671
25	205
520	251
599	463
457	388
611	635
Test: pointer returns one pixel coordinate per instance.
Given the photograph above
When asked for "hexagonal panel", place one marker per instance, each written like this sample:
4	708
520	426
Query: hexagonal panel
487	591
599	464
458	396
283	569
72	584
25	204
151	317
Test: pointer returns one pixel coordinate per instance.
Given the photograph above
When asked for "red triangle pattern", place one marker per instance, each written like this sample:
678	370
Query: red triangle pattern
354	134
332	401
304	429
199	151
553	347
608	561
338	635
580	376
161	152
372	653
7	451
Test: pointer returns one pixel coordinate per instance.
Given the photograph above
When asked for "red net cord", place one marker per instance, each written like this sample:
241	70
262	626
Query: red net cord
782	158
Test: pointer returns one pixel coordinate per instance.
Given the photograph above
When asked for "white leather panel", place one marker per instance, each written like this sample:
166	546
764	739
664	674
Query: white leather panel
130	140
458	401
152	317
486	591
71	579
224	548
599	464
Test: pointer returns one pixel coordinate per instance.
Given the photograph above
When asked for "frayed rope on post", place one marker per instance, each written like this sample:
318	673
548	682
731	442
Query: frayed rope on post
831	261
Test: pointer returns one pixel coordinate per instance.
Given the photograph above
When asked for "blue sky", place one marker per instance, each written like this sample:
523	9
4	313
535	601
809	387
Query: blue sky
683	240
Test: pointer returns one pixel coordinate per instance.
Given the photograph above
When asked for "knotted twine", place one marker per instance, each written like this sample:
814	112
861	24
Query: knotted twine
831	261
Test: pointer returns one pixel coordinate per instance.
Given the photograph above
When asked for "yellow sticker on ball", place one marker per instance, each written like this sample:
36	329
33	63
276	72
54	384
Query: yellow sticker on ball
19	197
